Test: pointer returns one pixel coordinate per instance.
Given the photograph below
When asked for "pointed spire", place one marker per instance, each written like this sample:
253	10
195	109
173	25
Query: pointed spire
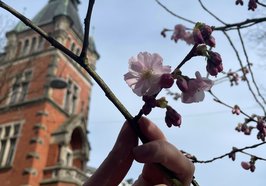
53	9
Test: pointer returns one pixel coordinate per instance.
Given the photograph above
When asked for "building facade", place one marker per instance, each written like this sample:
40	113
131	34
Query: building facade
43	129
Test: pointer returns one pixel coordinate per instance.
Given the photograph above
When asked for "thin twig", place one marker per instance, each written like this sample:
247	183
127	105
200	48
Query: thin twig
261	4
249	67
241	64
243	24
236	150
212	14
172	13
87	30
216	99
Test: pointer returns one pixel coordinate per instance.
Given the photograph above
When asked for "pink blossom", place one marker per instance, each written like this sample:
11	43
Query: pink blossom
145	72
181	33
196	88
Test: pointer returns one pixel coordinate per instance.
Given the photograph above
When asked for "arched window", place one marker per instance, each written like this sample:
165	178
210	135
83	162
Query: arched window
40	43
77	145
71	97
73	46
33	44
78	52
26	47
19	49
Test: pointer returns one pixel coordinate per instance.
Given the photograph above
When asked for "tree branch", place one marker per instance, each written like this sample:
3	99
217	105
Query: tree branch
241	150
87	30
239	25
172	13
212	14
241	64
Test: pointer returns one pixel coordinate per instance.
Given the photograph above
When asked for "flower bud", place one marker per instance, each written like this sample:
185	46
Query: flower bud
182	84
146	109
212	70
239	2
245	165
215	58
197	36
172	117
252	167
211	41
206	31
252	5
166	81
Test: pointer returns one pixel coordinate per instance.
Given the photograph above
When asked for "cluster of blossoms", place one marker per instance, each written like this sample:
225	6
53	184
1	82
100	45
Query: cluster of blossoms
234	77
236	110
252	4
245	165
147	76
260	126
202	34
248	165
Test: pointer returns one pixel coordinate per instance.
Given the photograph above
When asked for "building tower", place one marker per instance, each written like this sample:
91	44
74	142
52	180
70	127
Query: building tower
43	130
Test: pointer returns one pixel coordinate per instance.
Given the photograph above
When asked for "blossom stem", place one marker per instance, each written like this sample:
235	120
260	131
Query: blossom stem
187	57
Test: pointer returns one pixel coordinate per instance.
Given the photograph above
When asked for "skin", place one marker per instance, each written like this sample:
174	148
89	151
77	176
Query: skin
116	165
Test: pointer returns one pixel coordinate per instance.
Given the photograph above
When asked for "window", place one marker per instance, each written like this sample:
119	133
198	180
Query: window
8	138
71	97
69	157
33	44
26	47
40	43
20	87
73	47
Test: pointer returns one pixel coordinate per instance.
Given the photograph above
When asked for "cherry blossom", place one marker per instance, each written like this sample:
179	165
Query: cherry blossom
145	73
196	88
180	33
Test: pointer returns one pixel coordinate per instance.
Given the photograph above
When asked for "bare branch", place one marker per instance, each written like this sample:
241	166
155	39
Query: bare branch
212	14
249	66
261	4
241	64
172	13
241	150
216	99
239	25
87	30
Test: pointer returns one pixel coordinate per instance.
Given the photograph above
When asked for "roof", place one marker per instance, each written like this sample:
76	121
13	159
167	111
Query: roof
53	9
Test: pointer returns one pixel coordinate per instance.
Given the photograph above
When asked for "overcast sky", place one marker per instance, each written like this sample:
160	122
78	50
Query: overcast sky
122	29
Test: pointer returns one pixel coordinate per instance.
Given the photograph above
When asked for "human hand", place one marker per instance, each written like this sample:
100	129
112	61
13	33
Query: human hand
114	168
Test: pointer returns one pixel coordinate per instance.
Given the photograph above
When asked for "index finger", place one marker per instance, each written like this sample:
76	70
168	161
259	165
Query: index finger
150	130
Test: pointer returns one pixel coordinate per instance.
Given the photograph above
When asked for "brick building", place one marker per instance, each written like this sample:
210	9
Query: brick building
43	129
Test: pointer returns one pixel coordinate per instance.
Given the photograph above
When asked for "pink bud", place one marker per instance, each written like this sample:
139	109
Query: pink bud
245	165
198	38
239	2
252	167
211	41
213	71
215	58
206	31
182	84
166	80
172	117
